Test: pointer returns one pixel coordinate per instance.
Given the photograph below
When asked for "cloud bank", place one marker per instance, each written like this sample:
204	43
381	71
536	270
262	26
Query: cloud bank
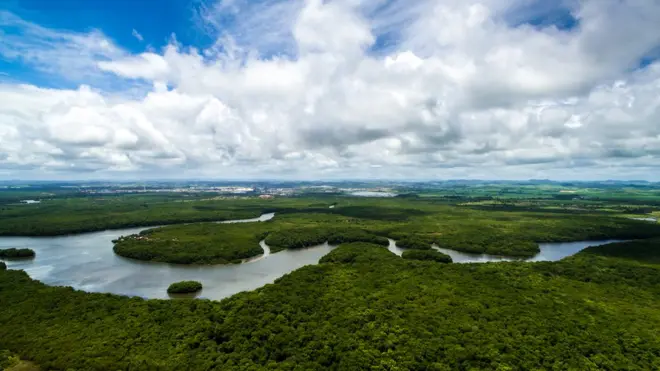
348	89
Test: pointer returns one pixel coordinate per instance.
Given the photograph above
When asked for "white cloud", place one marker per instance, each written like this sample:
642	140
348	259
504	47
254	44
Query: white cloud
137	35
461	93
72	56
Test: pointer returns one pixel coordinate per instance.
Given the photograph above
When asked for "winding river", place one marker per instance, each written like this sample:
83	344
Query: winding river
87	262
549	252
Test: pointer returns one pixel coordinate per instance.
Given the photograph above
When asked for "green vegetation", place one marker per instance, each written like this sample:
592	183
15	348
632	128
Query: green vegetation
302	223
362	308
357	252
3	266
430	255
14	253
460	217
413	242
184	287
644	251
512	233
203	243
77	215
12	362
7	360
296	238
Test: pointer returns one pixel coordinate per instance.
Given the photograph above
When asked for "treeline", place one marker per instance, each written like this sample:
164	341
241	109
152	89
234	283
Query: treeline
184	287
358	252
297	238
492	244
416	242
644	251
203	243
63	224
14	253
363	308
100	212
428	255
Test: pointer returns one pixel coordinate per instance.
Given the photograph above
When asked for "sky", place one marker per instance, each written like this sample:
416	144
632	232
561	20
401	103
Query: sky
330	89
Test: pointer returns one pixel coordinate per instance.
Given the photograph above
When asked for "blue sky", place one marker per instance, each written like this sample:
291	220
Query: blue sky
156	21
116	19
136	26
330	89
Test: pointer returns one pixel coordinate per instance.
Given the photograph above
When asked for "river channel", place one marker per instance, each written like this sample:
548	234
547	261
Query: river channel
87	262
549	252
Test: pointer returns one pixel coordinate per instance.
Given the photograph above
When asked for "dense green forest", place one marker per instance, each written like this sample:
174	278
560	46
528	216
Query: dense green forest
297	226
78	215
200	243
293	238
430	255
414	242
362	308
7	359
184	287
14	253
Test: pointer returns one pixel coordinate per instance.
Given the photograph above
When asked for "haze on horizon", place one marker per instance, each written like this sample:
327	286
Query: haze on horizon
340	89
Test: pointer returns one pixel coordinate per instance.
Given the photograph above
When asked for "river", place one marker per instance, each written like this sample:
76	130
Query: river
87	262
549	252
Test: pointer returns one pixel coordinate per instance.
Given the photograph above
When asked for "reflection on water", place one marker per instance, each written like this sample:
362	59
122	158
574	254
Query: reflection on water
87	262
549	252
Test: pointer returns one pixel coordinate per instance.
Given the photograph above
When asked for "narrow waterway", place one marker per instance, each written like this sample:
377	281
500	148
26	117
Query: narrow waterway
549	252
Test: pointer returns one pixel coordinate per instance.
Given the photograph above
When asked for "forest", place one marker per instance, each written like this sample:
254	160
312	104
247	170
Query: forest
200	243
14	253
299	226
361	307
430	255
184	287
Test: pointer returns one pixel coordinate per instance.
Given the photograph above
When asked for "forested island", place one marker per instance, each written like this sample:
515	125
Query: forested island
429	255
184	287
361	307
14	253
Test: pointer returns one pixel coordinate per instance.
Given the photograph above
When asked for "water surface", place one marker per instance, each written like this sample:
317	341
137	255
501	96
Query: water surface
549	252
87	262
372	194
647	219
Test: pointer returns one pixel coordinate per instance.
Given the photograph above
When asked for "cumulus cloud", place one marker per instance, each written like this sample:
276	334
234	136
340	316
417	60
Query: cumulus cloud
350	88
